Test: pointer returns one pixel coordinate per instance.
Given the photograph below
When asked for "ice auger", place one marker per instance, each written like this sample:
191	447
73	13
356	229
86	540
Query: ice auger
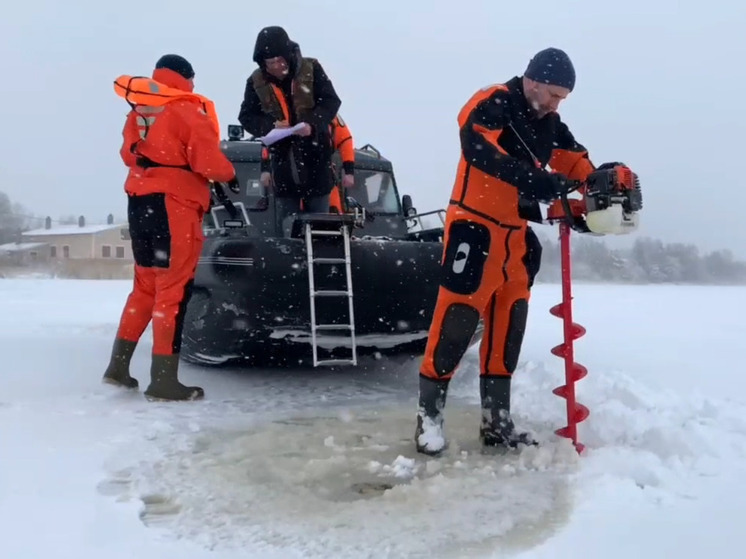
609	204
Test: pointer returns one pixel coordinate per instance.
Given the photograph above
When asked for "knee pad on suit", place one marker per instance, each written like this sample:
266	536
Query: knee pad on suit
456	330
514	338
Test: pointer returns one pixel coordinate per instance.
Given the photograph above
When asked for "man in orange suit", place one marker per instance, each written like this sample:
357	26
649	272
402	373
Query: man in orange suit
172	148
509	133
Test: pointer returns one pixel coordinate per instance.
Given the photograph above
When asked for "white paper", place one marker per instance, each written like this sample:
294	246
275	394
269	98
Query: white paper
278	134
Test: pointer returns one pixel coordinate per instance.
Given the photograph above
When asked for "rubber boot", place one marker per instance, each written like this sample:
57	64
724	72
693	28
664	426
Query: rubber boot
429	436
118	371
497	428
164	381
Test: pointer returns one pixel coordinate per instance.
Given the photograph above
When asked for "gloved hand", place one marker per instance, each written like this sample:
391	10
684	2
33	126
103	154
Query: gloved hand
550	186
579	224
234	185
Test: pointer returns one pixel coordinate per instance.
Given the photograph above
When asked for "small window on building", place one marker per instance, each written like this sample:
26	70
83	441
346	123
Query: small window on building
106	251
124	234
34	255
53	251
120	252
66	251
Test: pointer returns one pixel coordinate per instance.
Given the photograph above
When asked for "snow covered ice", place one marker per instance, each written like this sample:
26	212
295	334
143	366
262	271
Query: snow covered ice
319	463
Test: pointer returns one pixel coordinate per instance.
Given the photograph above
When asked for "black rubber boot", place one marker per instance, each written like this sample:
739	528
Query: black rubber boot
118	371
497	428
429	436
164	382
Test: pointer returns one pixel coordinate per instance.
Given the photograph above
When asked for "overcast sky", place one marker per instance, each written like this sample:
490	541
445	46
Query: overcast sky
660	86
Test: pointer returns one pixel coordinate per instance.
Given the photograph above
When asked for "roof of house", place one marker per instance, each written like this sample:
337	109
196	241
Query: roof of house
20	247
73	230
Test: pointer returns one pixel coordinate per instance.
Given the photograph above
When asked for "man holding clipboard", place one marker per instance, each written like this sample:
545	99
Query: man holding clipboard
289	102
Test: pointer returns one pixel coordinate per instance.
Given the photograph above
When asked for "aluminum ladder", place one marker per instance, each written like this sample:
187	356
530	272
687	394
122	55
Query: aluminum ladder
343	231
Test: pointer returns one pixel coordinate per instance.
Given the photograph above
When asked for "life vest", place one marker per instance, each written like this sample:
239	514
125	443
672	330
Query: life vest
272	99
141	92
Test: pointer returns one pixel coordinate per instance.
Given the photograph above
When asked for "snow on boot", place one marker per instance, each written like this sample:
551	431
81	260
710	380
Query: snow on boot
118	371
164	382
497	428
429	436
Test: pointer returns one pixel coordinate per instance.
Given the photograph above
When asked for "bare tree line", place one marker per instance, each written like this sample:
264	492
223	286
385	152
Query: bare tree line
647	261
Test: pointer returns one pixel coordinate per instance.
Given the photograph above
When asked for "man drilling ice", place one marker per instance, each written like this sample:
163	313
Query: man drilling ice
509	133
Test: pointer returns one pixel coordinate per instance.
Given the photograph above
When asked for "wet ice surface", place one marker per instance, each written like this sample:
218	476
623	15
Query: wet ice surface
348	481
318	463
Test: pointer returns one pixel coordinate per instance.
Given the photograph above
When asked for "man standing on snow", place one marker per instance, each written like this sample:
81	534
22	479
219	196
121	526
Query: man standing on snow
172	148
509	133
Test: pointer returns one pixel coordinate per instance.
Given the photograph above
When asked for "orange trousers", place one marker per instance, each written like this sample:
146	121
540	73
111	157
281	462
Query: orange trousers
166	242
487	273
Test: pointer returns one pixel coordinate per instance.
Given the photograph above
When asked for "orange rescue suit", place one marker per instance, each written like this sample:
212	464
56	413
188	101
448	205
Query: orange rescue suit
182	131
171	144
490	255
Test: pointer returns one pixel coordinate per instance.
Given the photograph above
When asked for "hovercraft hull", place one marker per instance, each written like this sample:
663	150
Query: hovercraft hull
251	300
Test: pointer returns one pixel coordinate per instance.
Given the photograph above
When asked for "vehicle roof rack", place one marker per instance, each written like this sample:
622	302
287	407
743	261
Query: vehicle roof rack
369	147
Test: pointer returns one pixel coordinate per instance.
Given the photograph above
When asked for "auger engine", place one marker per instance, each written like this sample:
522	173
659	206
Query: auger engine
610	204
613	199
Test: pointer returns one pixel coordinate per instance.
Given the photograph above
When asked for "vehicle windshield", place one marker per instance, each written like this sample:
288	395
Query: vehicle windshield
375	191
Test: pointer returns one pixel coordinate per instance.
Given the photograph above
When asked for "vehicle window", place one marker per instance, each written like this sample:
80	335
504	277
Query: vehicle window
375	190
248	177
250	196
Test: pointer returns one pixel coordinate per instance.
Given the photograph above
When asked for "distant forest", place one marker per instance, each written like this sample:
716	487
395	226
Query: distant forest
648	261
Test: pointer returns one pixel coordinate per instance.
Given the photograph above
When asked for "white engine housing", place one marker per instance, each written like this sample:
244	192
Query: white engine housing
612	221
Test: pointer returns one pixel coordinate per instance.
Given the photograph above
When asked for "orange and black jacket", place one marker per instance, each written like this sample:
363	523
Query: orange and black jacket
171	141
502	138
344	144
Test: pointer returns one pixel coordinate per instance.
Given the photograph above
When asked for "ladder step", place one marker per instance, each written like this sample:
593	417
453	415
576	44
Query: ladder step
332	293
334	327
345	342
324	232
330	260
336	362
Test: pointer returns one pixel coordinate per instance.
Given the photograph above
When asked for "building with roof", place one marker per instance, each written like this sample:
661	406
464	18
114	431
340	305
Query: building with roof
24	253
108	241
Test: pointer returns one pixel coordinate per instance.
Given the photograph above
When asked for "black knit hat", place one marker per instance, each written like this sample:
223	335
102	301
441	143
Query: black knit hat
551	66
177	63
